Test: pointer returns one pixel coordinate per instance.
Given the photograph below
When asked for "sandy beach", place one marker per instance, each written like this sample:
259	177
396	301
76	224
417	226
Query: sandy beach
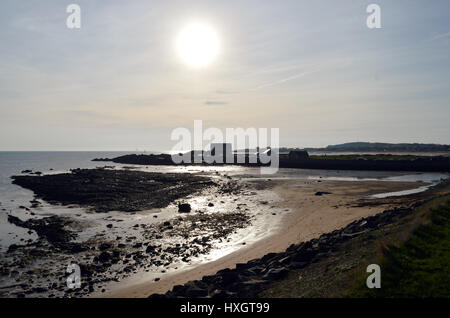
307	216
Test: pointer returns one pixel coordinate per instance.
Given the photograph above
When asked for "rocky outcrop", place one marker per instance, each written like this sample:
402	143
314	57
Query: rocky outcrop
426	164
53	230
106	190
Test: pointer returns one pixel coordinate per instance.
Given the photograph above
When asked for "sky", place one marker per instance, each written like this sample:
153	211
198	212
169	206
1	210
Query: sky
313	69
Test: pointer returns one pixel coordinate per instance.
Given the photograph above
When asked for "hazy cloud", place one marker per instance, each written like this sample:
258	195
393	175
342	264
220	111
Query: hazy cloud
215	102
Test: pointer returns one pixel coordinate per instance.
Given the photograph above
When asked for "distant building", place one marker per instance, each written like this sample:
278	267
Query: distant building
298	155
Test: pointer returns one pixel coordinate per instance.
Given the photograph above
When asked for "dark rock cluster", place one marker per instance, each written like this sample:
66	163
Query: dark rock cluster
53	229
106	190
102	261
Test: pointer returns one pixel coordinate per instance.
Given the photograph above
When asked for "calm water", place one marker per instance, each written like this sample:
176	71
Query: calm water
12	196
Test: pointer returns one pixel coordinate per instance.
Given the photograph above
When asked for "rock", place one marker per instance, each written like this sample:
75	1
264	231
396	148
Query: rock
184	208
109	225
217	293
228	276
104	257
39	290
52	228
297	265
195	292
12	248
253	283
166	223
210	204
98	189
276	273
75	247
322	193
104	246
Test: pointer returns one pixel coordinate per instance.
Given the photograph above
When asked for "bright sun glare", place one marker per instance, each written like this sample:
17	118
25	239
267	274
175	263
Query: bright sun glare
197	45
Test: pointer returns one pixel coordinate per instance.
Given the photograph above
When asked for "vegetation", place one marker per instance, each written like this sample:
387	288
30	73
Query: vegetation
370	157
420	266
384	147
413	253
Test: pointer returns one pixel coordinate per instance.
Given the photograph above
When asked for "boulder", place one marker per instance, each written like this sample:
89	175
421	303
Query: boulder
104	246
104	257
184	208
276	273
194	292
322	193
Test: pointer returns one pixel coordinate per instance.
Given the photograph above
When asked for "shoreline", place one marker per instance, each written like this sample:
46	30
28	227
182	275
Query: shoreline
301	161
310	216
140	253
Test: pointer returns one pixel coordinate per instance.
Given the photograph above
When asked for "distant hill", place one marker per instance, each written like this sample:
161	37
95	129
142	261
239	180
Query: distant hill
383	147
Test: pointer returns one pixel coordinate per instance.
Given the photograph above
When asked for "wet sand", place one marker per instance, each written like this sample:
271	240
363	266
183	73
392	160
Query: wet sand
307	216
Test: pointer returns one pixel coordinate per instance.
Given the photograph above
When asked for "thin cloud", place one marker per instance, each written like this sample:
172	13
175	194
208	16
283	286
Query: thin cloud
440	36
225	92
215	102
284	80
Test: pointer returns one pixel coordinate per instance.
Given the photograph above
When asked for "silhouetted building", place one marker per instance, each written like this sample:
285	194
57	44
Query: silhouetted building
298	155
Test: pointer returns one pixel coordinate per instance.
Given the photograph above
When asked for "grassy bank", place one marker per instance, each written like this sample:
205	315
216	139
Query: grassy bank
413	252
420	266
370	157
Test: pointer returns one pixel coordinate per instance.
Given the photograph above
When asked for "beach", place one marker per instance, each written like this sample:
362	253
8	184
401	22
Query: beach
309	216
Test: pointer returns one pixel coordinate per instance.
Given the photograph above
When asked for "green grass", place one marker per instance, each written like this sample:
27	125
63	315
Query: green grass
369	157
413	253
420	266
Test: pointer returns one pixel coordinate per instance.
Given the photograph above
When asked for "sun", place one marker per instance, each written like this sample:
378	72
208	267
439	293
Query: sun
197	45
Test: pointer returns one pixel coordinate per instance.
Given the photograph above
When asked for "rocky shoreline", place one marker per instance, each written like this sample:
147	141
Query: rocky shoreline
37	268
105	190
427	164
249	279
